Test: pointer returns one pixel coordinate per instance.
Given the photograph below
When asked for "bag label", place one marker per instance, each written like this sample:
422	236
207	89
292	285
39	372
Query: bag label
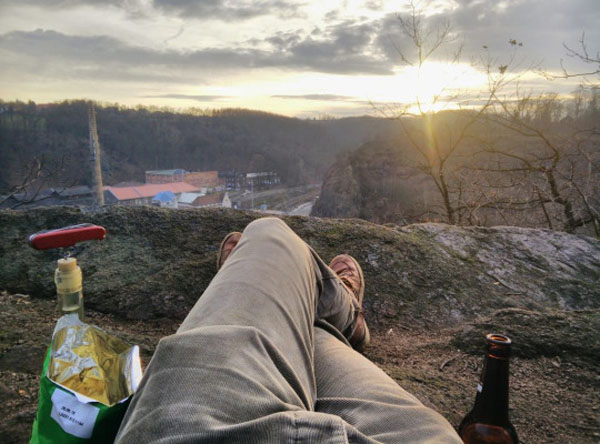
73	417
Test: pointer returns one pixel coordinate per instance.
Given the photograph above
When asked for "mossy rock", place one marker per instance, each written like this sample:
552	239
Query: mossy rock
567	334
156	263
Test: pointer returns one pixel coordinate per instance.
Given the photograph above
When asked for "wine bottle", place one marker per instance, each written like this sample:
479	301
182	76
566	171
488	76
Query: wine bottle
67	278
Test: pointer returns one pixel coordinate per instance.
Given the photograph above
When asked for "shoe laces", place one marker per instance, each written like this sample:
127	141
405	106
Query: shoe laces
349	280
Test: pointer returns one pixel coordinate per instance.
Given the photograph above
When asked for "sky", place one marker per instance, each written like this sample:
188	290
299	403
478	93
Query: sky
298	58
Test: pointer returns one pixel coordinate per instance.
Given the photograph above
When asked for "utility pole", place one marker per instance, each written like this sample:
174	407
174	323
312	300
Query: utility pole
95	156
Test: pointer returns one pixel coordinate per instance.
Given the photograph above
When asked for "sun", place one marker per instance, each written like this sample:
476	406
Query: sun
435	86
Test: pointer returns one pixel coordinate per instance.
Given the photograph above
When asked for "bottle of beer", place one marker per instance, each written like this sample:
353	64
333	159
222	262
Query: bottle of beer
488	421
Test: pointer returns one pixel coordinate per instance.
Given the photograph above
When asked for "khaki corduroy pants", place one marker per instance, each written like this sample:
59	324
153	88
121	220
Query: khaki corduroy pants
260	359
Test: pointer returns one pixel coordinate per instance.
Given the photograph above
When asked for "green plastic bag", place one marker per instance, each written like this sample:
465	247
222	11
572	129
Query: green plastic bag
65	416
62	418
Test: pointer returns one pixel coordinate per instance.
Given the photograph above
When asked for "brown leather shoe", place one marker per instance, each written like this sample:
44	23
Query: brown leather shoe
351	275
228	243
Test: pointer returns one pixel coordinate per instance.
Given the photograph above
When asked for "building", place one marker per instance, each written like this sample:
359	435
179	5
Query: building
186	200
165	199
165	176
202	179
234	180
80	195
262	180
213	200
143	194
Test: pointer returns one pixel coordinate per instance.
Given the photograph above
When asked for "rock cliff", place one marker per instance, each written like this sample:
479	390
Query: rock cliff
377	182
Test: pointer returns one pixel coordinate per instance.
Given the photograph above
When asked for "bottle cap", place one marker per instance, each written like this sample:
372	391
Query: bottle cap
68	264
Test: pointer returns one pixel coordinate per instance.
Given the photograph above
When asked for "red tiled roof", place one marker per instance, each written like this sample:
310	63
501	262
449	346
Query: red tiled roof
150	190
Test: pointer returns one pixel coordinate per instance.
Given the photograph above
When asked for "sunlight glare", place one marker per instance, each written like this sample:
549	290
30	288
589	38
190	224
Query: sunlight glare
435	85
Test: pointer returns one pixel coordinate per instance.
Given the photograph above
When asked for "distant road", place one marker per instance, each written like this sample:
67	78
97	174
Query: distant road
302	210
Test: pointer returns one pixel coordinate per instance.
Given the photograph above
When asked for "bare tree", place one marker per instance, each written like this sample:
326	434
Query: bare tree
439	138
554	154
543	163
581	54
35	176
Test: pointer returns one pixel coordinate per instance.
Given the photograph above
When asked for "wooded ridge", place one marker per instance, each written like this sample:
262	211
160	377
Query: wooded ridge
135	140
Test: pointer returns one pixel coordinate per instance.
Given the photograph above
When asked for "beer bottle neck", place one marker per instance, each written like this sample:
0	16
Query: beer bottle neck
491	402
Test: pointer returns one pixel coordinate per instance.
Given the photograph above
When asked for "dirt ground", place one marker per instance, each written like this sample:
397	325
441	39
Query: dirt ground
552	401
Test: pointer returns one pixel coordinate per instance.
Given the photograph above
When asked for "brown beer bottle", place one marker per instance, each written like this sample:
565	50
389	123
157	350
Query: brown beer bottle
488	421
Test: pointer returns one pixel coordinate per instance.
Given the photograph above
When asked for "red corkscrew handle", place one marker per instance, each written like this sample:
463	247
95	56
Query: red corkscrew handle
66	236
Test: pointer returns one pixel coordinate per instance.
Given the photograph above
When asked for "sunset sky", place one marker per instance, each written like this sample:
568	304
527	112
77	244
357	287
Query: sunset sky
298	58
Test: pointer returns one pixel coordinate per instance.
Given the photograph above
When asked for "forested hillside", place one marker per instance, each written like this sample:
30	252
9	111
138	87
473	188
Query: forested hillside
135	140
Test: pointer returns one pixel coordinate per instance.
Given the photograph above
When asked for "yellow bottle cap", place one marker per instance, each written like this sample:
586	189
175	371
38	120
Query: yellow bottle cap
68	264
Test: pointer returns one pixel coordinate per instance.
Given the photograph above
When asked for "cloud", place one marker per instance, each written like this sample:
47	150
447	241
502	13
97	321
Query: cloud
323	97
358	102
350	47
542	26
48	45
374	5
332	15
174	36
396	44
283	40
200	9
133	7
66	4
343	50
199	98
51	47
228	9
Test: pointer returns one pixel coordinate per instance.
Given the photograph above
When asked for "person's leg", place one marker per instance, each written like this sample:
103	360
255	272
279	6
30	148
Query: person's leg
240	367
355	389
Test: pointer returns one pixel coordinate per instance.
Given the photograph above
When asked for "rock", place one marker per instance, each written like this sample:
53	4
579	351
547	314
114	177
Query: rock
156	262
342	195
535	266
23	358
374	183
572	335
